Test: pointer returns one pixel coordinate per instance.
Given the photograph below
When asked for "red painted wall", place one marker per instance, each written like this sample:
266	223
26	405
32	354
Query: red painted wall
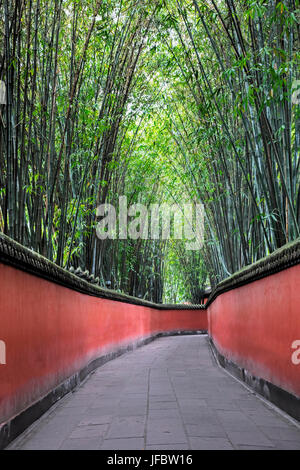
51	332
255	326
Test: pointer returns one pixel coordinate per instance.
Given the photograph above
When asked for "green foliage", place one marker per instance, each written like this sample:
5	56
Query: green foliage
163	102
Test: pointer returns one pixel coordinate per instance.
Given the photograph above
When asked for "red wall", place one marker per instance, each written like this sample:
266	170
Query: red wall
51	332
255	326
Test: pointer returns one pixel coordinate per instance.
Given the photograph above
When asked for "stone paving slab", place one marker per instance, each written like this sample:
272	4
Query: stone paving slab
167	395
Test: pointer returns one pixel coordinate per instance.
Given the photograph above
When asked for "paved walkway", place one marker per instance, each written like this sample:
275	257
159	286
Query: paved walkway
169	394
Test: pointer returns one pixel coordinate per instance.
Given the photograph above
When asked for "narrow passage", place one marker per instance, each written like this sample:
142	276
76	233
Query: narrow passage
169	394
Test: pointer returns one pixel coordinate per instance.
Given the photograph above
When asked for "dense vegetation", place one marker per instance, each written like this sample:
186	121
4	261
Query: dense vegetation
163	102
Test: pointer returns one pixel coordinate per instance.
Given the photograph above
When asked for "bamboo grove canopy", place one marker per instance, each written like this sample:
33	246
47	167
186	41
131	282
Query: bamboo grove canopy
163	102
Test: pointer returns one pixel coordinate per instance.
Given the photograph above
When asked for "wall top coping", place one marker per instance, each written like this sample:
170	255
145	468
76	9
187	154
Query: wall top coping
14	254
279	260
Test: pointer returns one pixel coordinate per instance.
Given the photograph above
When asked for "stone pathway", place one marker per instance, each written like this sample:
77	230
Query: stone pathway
169	394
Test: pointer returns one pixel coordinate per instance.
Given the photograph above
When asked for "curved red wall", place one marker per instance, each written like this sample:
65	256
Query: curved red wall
51	332
256	324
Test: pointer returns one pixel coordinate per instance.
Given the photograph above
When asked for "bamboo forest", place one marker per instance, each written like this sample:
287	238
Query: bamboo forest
161	102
